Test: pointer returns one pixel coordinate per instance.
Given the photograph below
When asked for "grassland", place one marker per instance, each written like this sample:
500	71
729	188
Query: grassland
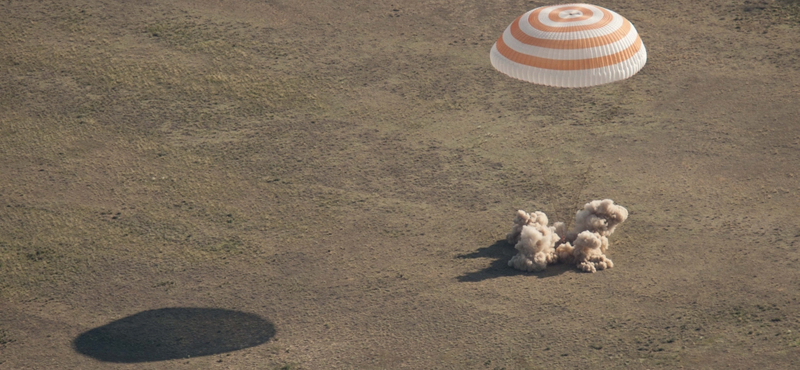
347	171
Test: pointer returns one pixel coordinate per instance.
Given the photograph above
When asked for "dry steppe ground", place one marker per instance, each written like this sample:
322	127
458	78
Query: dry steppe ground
328	185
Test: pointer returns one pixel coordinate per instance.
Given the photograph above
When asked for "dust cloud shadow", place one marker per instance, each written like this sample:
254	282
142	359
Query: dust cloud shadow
172	333
502	252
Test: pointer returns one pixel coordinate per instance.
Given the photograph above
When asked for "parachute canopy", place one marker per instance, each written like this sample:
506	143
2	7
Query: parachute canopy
571	45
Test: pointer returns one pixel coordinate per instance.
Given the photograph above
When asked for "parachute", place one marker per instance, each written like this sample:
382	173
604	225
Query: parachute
572	45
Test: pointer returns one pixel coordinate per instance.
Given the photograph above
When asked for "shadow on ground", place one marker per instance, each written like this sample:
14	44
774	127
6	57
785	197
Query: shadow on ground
171	333
502	252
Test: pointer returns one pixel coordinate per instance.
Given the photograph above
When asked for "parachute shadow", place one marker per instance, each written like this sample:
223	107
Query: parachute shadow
172	333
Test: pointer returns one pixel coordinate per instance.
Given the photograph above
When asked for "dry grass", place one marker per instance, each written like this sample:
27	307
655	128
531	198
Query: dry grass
346	170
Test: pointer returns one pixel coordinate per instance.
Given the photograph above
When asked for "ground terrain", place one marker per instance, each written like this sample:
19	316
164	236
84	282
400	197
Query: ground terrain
346	172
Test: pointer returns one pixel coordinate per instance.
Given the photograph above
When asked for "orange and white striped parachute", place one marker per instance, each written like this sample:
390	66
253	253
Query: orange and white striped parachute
571	45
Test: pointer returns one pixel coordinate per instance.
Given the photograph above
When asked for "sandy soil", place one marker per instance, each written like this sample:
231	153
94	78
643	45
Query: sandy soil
330	185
